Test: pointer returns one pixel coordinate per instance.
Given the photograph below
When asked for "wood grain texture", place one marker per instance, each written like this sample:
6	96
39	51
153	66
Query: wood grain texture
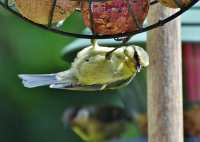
165	110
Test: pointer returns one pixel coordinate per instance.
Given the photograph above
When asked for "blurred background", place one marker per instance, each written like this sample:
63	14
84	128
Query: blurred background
35	115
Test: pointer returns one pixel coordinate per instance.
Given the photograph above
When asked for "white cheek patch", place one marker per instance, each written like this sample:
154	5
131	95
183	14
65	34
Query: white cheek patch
83	115
143	56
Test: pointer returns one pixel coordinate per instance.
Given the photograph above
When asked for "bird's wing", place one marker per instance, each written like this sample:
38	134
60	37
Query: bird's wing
95	87
77	87
120	84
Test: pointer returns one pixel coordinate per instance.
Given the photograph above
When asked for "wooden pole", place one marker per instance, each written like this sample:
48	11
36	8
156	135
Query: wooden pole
165	110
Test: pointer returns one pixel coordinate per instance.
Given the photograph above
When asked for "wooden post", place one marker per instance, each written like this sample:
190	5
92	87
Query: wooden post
165	110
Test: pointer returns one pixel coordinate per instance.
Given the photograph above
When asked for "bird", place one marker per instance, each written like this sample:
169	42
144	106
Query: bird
93	70
98	123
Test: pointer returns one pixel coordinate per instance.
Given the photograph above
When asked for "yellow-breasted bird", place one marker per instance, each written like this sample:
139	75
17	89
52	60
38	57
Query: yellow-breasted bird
98	124
93	70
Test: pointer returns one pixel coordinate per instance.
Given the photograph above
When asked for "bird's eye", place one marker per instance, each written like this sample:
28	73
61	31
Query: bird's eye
137	59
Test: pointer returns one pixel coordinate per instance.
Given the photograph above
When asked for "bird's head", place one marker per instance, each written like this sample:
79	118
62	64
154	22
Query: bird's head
137	56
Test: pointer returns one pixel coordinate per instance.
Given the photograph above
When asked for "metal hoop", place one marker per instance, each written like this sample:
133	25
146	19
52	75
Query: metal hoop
94	35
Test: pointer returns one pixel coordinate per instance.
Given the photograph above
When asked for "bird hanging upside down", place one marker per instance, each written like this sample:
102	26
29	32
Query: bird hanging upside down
93	70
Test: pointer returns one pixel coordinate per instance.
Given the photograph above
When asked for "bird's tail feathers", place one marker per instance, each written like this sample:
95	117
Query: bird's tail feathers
31	81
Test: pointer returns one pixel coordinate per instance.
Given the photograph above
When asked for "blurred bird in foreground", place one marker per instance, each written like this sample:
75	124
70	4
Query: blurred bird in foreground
98	124
93	69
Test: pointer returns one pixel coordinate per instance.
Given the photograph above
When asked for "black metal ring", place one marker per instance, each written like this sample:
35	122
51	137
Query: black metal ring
96	36
51	14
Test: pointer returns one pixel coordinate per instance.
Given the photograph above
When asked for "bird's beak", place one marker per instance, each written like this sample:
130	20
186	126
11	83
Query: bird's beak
138	68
